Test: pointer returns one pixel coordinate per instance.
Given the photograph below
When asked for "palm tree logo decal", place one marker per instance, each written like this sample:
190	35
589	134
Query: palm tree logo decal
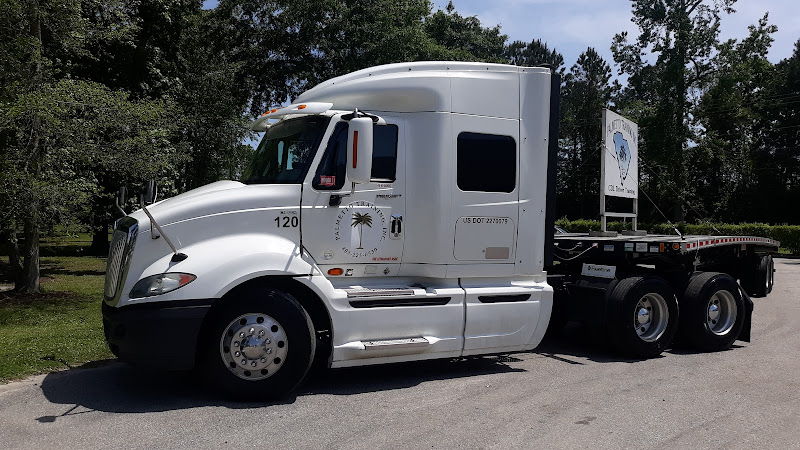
360	220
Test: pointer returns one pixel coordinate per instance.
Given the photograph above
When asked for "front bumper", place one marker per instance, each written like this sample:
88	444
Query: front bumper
159	334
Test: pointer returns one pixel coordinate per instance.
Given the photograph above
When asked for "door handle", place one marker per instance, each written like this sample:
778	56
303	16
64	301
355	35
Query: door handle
396	230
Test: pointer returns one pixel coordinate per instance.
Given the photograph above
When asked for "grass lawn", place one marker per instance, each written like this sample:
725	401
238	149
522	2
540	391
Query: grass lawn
58	328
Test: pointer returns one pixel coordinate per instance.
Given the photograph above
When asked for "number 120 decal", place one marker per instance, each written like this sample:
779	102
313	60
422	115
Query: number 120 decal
287	222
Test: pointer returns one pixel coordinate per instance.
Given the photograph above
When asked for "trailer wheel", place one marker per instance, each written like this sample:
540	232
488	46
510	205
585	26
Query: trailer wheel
769	269
642	316
259	346
713	312
759	281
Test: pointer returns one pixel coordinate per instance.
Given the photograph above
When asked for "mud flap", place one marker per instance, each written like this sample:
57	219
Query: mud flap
744	335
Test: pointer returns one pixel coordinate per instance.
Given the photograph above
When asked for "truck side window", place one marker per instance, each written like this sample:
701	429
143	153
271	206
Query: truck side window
331	171
384	153
486	162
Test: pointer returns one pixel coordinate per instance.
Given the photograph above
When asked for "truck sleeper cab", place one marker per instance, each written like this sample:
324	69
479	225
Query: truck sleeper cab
393	214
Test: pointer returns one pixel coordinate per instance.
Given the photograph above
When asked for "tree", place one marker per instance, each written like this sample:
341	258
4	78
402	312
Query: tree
29	30
587	90
729	114
457	37
534	53
682	34
285	47
776	149
64	138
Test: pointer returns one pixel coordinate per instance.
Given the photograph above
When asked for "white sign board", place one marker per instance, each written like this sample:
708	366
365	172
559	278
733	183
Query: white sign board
621	157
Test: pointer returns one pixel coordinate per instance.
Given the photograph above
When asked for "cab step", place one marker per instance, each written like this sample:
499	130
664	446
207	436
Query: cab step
367	292
407	343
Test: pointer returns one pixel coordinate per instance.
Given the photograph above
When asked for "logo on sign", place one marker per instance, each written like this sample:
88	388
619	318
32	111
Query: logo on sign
623	155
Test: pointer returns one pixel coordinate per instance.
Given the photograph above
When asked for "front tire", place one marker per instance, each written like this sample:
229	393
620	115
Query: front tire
713	312
642	316
259	346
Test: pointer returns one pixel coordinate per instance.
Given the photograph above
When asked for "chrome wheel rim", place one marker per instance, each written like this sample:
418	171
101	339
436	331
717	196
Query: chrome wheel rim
650	317
254	346
721	312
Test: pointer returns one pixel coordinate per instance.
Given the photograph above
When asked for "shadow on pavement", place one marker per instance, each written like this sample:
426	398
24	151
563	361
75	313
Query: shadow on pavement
122	388
579	344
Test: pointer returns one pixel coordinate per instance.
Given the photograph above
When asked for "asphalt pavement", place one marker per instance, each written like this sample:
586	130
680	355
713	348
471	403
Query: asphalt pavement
569	393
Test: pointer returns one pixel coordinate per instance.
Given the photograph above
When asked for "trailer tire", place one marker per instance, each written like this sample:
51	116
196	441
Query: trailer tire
642	316
712	312
759	281
259	346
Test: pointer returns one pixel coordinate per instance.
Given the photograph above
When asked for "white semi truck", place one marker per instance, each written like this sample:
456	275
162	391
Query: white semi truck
399	213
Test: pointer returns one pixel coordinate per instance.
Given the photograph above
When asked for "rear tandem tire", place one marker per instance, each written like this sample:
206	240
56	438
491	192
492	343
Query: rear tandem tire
642	316
259	346
712	312
760	279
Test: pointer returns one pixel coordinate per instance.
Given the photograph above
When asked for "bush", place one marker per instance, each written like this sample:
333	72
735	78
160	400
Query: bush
788	235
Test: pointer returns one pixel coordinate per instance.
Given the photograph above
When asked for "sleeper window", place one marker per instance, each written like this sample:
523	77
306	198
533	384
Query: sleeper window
486	162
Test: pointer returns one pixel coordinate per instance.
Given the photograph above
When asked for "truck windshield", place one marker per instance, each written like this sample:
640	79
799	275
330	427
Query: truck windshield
286	151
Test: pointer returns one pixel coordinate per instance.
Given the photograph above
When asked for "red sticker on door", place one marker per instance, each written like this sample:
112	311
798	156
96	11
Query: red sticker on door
327	180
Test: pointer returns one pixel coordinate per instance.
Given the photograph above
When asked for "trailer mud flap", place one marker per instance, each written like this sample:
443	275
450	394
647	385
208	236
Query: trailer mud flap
744	335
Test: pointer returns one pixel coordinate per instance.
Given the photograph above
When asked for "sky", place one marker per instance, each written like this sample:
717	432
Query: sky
570	26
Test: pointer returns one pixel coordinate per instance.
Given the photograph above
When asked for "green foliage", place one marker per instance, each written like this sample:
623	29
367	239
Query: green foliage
88	136
682	36
534	53
585	93
60	327
464	38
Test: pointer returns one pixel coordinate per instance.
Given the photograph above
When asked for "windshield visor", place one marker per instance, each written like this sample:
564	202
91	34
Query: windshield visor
286	151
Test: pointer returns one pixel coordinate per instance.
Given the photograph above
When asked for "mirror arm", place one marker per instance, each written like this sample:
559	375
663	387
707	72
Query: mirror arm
336	199
116	203
175	256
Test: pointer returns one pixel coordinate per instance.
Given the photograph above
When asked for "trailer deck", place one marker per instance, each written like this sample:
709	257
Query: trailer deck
659	243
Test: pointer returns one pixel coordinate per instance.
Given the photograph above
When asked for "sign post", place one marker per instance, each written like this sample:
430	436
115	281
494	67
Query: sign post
619	165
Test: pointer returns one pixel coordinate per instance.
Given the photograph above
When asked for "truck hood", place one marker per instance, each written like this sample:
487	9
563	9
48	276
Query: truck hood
219	198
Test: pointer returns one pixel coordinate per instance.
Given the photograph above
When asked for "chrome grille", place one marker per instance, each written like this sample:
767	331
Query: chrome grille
119	257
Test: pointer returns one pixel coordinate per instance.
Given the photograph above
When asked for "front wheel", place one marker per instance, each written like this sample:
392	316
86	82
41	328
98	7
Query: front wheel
642	316
259	346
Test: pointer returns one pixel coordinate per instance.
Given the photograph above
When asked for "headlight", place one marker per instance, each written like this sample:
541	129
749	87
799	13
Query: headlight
160	284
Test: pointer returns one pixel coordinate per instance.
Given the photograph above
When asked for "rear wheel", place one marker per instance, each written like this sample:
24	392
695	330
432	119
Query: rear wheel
259	346
642	316
712	311
760	279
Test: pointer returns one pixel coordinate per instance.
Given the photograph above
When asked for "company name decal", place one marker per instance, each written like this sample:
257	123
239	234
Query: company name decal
360	229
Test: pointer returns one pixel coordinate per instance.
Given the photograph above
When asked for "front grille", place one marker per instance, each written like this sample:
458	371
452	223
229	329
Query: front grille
119	258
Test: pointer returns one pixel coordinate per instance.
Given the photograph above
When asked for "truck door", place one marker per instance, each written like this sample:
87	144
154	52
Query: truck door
501	314
360	233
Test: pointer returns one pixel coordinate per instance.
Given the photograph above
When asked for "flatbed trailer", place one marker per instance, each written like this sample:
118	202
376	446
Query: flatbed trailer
693	277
